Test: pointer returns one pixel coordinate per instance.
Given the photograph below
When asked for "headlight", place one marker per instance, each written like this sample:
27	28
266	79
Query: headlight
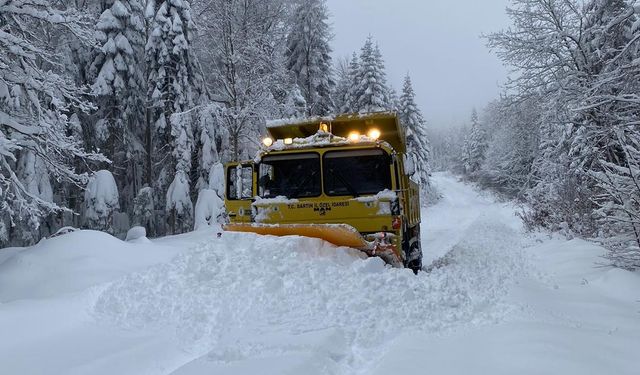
374	133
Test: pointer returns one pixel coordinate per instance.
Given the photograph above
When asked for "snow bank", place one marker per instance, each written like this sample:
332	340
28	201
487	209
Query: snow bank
564	315
494	301
136	233
71	263
571	318
231	293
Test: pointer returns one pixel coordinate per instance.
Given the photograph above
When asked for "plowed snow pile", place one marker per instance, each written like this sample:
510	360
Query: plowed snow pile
492	301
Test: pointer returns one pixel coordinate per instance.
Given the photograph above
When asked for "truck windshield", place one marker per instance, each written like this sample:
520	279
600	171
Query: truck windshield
291	175
356	172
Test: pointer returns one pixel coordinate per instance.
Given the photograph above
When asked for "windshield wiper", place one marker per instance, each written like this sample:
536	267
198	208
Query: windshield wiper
344	182
302	184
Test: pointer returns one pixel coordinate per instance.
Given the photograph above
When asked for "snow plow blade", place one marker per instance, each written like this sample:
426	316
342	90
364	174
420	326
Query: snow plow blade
337	234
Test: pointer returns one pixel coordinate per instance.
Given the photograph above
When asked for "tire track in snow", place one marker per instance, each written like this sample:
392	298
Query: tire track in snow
245	302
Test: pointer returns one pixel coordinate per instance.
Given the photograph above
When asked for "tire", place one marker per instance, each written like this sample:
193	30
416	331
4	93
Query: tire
413	250
415	261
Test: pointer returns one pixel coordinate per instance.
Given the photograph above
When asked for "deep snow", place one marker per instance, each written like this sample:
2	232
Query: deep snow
493	301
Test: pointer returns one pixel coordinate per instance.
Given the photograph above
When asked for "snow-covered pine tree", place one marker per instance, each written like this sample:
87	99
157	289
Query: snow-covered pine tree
308	55
119	88
475	145
179	206
144	210
349	93
394	100
295	104
174	86
36	99
372	94
415	128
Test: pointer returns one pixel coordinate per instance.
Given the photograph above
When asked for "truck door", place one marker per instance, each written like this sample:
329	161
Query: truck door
239	191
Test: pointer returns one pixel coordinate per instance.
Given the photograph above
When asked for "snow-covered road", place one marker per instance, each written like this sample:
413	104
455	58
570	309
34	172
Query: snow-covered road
493	301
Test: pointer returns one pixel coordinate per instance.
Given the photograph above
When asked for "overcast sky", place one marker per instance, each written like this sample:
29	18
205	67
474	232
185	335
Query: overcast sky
437	42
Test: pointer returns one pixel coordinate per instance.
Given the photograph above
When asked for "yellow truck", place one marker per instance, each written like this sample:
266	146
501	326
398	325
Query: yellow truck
344	179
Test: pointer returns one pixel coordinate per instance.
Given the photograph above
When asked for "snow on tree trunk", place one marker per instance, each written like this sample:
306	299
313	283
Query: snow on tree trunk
101	201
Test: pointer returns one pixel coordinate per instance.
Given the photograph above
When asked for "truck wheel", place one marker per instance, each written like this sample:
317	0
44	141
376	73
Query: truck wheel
414	260
412	249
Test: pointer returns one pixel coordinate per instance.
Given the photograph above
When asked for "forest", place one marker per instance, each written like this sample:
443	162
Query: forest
563	139
116	113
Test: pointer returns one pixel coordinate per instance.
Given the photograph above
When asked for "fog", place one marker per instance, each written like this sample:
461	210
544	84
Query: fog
437	42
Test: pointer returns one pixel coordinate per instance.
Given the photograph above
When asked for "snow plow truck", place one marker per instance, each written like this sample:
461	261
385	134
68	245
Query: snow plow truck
344	179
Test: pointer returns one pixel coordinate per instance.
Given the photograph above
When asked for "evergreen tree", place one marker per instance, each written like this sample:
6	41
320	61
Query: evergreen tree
350	86
308	55
475	145
144	210
178	203
118	85
295	105
394	100
173	89
372	94
413	124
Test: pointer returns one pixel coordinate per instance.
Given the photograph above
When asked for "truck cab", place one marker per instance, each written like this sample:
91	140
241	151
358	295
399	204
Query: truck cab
342	179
